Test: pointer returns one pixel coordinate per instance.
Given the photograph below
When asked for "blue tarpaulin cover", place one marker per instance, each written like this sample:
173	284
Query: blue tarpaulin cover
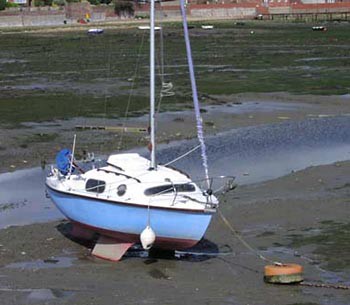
63	161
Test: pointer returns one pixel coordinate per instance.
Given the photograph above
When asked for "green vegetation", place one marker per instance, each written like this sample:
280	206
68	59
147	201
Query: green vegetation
64	106
97	2
332	242
12	4
46	76
38	138
10	206
43	2
2	5
124	8
58	2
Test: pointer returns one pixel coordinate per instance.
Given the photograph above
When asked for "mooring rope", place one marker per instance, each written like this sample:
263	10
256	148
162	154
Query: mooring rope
200	133
264	258
248	246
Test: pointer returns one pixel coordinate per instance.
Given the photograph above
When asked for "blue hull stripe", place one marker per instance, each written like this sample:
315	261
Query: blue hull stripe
129	219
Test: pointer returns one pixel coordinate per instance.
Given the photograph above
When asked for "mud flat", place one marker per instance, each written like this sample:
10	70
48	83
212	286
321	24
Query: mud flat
302	217
51	81
36	143
289	213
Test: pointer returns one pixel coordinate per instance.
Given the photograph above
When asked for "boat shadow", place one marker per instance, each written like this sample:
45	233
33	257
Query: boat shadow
66	228
202	251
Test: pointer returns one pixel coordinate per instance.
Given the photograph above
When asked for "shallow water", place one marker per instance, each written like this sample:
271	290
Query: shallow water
51	263
41	294
251	106
255	154
23	199
256	106
252	154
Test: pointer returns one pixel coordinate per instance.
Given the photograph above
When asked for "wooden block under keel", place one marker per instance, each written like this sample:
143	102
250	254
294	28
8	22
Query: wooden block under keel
110	249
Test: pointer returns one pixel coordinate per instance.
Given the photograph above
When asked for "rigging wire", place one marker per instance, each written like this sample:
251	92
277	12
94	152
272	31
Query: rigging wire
132	89
105	98
183	155
84	48
160	60
248	246
166	87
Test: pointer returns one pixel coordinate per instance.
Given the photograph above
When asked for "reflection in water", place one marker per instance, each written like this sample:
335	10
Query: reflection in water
252	154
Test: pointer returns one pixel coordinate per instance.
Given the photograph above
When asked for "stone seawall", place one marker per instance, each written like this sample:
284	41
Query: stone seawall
224	13
27	18
78	12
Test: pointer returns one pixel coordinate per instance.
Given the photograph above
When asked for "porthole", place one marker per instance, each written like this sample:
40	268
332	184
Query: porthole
121	190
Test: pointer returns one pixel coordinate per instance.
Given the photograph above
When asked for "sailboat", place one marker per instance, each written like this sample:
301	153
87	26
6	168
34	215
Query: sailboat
133	199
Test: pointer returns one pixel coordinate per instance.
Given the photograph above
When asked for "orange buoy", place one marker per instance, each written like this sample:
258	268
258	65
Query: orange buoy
283	274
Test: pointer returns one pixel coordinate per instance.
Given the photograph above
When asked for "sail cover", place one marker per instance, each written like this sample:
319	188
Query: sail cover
63	161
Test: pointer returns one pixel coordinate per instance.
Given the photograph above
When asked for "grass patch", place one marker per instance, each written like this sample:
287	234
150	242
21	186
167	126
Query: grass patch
64	106
37	138
332	242
46	76
10	206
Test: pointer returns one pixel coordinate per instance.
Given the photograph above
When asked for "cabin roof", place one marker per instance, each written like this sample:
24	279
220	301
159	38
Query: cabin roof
129	162
133	165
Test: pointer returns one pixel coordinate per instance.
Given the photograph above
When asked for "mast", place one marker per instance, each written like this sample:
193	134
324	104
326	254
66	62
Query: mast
152	88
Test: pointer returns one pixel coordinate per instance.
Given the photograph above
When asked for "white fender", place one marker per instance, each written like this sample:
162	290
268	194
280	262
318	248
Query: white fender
147	238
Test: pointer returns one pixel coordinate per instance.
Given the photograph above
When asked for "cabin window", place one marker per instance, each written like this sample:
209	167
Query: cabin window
121	190
169	188
96	186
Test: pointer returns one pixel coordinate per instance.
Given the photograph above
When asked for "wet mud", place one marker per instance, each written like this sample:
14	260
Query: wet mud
300	218
287	214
